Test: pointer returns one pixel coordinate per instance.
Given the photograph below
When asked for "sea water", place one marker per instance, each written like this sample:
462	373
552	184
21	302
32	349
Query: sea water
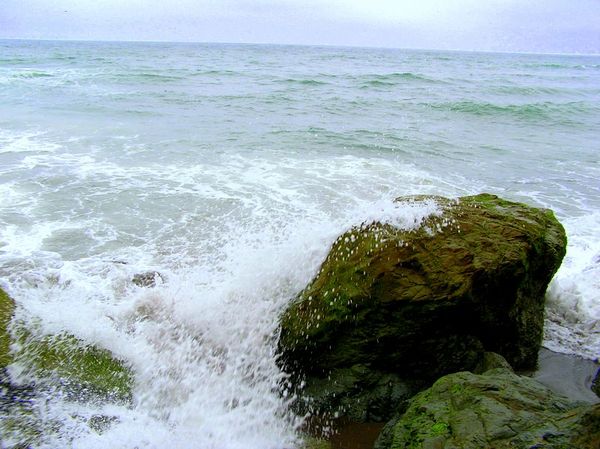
229	170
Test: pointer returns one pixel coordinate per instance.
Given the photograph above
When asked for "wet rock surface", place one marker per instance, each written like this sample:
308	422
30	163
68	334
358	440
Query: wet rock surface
391	310
497	409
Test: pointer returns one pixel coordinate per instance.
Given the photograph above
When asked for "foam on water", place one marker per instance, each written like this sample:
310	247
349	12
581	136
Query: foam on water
573	312
17	142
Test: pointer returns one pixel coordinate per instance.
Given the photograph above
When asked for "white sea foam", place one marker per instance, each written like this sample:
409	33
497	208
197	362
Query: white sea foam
573	309
19	142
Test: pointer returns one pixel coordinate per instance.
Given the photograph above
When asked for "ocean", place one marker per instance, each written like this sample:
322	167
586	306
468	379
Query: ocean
230	169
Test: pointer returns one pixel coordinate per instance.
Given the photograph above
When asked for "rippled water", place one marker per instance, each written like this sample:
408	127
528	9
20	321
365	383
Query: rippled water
229	169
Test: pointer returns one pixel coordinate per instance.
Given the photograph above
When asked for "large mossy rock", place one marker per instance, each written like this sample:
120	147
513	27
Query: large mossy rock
495	410
391	304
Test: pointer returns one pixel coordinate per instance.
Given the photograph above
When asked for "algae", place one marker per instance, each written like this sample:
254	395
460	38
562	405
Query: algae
498	409
7	309
82	369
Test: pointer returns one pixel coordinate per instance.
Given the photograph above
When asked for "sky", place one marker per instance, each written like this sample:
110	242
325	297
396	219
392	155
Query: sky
541	26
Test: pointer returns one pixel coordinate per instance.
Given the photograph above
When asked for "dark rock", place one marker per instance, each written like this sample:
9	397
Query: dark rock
361	394
491	360
147	279
412	305
13	394
101	423
497	410
596	383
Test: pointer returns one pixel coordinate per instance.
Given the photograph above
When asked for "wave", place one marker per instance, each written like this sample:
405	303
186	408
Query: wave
378	83
409	76
548	65
144	77
557	65
60	57
155	77
217	73
529	90
32	74
396	78
304	82
530	111
14	60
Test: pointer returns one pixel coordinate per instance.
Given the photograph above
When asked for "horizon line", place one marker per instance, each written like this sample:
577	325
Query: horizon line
372	47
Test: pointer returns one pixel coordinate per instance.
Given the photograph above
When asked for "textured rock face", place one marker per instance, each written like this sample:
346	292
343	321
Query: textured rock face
419	304
495	410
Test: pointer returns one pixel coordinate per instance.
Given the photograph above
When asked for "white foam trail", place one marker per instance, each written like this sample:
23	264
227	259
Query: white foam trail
573	308
13	142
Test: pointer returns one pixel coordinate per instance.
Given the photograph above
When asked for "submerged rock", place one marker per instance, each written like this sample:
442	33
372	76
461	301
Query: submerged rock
391	310
497	409
147	279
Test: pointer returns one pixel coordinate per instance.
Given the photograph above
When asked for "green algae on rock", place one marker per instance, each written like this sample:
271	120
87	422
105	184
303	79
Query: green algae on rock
425	302
75	365
84	372
82	369
497	409
7	309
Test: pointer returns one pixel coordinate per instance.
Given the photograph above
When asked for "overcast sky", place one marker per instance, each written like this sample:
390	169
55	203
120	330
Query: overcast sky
554	26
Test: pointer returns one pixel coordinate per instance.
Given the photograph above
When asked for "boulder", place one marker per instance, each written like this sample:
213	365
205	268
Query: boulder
397	308
497	409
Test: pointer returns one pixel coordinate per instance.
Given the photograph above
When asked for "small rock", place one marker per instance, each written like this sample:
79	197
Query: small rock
147	279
